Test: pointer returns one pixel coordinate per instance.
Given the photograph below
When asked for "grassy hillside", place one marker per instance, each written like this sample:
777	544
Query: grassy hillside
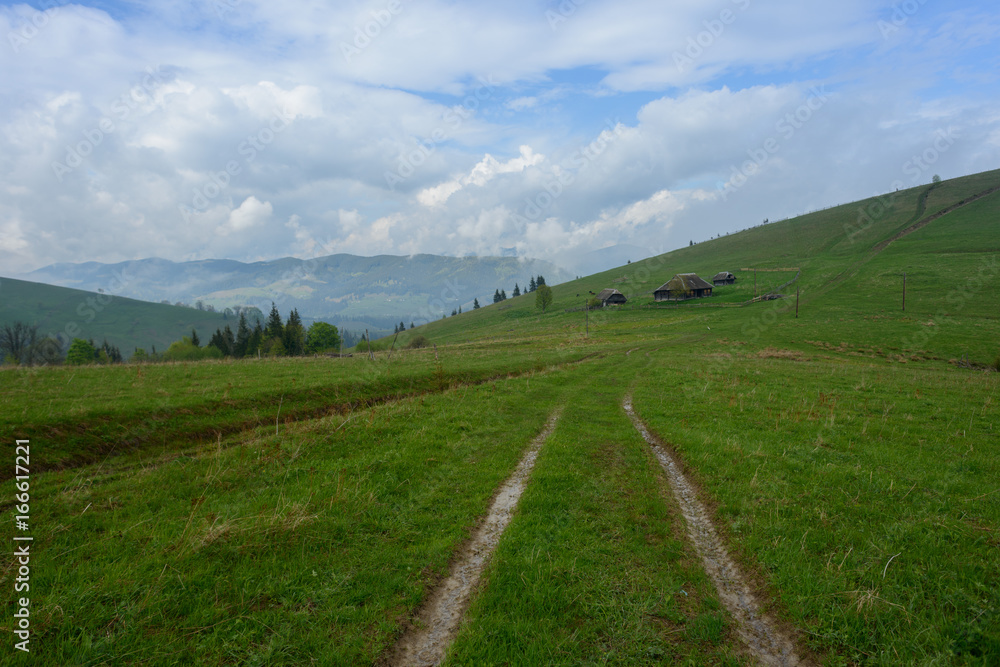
297	511
125	323
952	266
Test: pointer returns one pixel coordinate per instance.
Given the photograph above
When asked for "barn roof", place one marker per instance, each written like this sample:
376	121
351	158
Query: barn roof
684	282
723	275
606	294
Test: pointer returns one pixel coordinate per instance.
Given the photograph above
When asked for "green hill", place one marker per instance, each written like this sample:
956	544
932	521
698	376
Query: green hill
125	323
947	241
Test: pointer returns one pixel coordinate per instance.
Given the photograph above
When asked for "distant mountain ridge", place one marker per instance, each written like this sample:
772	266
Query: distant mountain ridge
352	290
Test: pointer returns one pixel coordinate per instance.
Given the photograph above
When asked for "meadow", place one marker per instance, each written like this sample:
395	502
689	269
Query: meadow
301	511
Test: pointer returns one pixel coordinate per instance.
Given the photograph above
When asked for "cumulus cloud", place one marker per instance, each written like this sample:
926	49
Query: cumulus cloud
129	134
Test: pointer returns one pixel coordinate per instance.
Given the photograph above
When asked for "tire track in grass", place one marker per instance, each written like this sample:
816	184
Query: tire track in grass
437	621
768	644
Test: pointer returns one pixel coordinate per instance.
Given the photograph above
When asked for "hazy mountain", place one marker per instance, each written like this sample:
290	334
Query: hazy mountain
345	289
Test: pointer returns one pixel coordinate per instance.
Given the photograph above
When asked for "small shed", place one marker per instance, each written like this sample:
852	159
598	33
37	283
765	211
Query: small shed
683	286
611	297
723	278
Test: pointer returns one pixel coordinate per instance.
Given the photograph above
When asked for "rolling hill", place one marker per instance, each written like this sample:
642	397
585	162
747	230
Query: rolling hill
125	323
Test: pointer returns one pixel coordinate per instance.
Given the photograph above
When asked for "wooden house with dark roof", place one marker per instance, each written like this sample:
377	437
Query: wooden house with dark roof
683	286
723	278
611	297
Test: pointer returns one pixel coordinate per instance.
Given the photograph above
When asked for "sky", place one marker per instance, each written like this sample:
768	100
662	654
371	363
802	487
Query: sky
256	130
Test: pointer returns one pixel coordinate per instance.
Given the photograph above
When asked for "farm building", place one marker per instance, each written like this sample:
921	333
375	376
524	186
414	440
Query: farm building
723	278
683	286
611	297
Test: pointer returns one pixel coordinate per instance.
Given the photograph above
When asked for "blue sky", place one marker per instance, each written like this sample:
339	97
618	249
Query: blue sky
250	130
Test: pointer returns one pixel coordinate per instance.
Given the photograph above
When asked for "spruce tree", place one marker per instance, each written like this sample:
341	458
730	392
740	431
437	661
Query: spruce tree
274	328
517	290
532	286
294	338
475	304
540	281
503	295
242	338
496	296
194	339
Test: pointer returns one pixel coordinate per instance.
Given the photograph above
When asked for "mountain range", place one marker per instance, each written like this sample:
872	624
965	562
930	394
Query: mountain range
347	290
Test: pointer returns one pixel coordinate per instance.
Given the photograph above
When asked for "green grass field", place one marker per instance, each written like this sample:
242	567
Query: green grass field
300	511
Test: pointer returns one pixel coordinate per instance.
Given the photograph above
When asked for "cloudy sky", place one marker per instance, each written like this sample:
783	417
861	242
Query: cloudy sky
253	130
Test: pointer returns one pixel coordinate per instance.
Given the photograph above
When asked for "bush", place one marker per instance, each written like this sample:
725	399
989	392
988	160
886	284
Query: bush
418	342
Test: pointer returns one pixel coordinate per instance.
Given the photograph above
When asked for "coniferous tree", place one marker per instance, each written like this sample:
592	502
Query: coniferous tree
454	312
242	338
475	304
294	338
194	338
411	325
532	286
517	290
540	281
274	328
402	326
503	295
496	296
459	310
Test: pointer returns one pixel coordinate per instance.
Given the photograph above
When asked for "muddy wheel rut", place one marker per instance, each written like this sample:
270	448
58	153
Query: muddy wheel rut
437	622
766	642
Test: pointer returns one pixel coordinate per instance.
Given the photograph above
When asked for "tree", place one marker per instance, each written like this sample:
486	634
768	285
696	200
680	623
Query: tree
543	297
532	286
194	338
540	281
503	295
402	326
459	310
395	329
80	352
411	325
517	290
274	328
690	243
936	179
322	337
294	337
475	304
139	356
16	341
454	312
242	338
496	296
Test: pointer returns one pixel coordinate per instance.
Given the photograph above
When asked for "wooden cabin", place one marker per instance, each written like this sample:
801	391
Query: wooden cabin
683	286
723	278
611	297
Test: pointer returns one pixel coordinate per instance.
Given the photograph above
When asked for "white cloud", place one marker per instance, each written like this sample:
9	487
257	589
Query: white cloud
250	214
481	174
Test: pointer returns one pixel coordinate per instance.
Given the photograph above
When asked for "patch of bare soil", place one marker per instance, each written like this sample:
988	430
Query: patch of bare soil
766	641
437	621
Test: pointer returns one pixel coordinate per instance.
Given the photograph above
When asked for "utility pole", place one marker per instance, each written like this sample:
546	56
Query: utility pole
586	309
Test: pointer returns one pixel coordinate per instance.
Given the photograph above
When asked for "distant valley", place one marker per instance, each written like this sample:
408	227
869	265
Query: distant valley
347	290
